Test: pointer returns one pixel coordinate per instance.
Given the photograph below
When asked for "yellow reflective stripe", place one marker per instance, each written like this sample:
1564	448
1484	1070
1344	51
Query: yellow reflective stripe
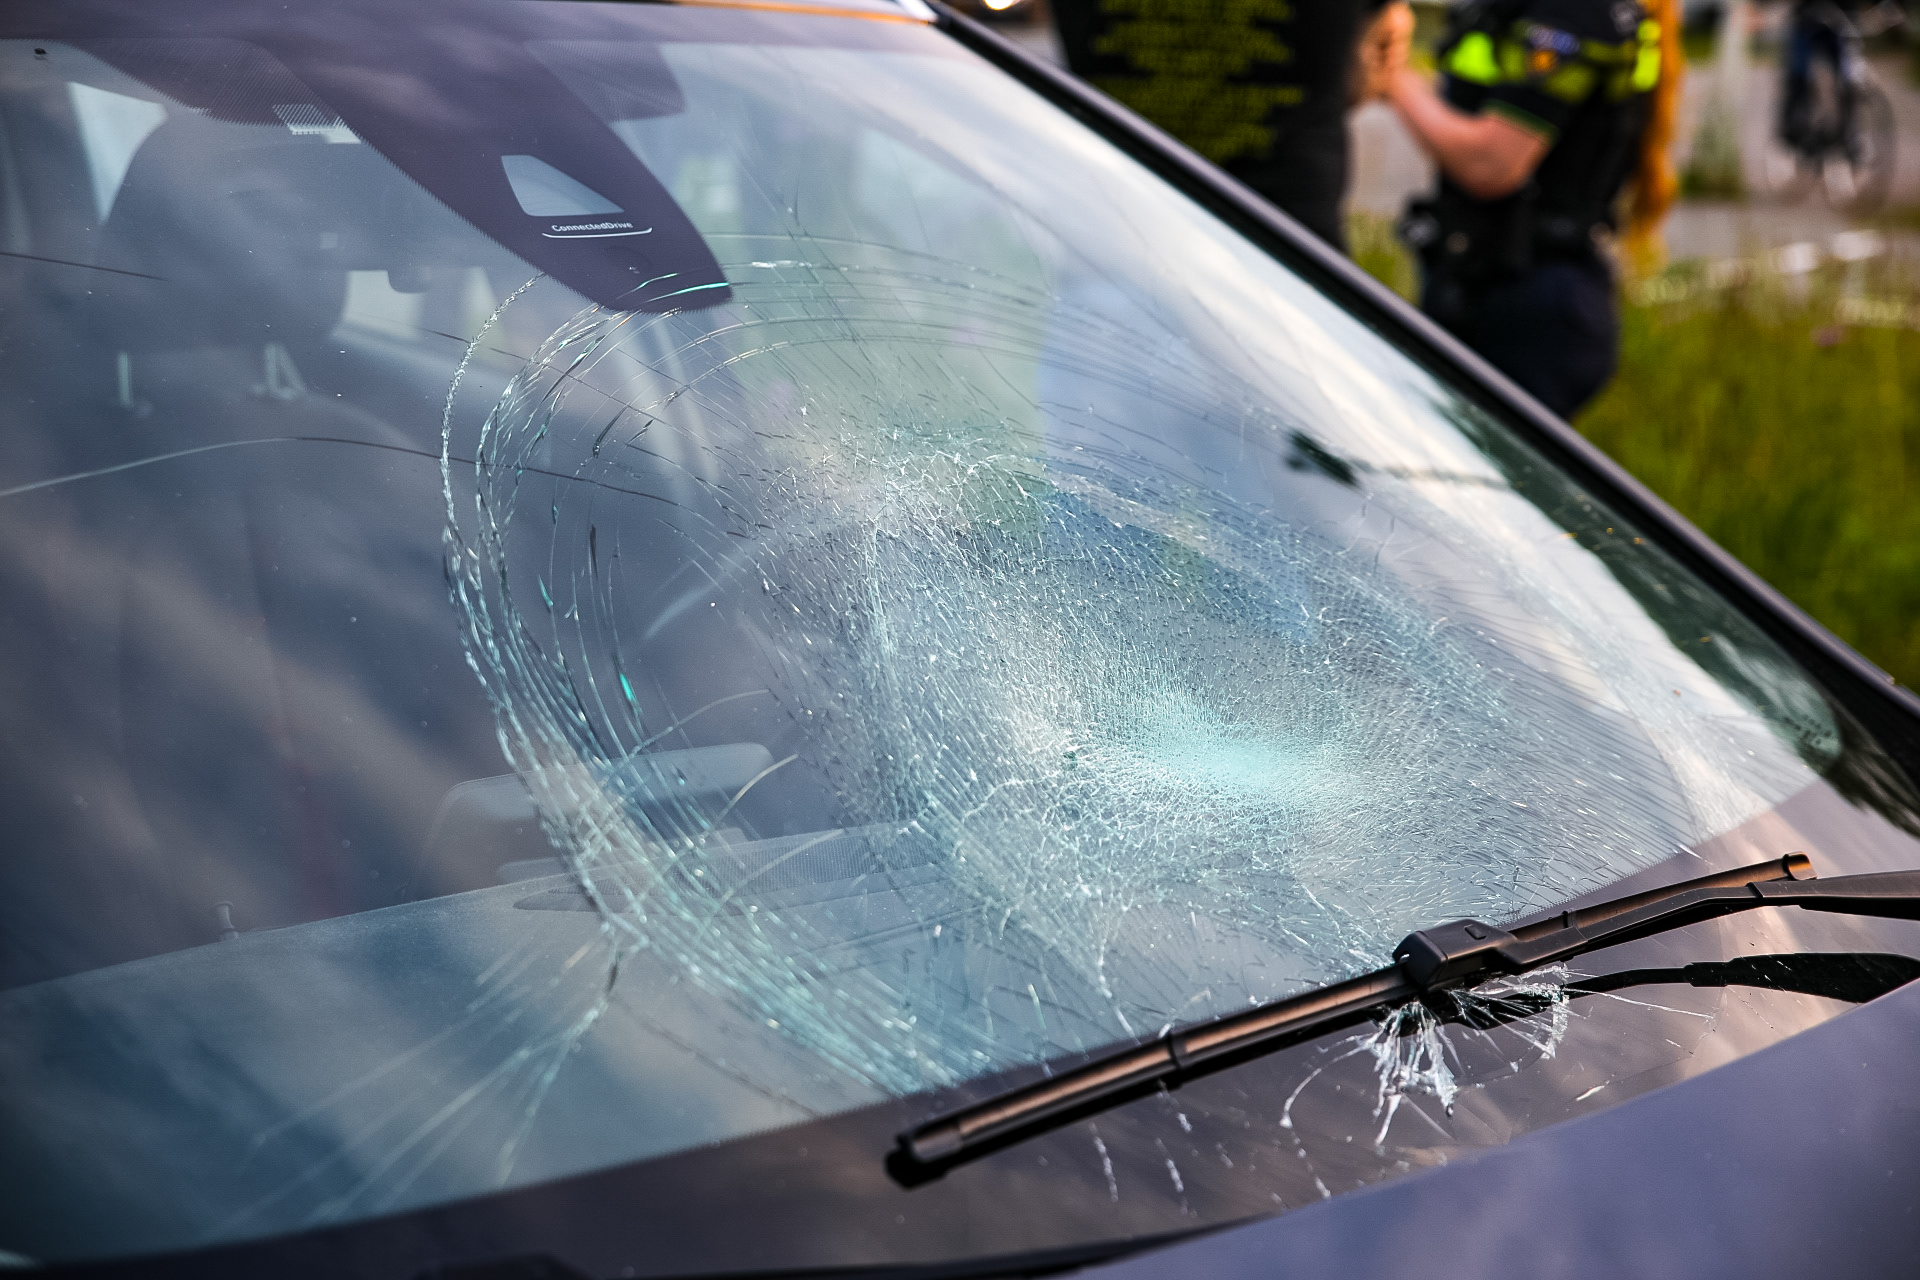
1571	83
1472	60
1646	67
1480	59
1604	55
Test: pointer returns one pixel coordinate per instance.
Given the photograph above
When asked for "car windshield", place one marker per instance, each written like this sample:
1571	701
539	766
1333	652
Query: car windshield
605	578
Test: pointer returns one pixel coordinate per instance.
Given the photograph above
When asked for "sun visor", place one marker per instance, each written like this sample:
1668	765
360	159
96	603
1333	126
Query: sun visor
479	120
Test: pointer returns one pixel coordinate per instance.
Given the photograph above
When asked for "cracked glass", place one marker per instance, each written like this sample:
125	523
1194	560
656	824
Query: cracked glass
493	700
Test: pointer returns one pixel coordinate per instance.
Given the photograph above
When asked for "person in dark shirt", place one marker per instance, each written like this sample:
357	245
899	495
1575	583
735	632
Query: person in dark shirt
1546	108
1259	87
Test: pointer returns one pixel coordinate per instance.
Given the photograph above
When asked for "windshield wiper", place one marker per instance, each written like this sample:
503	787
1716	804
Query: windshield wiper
1854	977
1427	963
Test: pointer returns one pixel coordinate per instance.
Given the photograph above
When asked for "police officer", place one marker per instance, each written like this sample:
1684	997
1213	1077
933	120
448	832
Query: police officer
1260	87
1540	119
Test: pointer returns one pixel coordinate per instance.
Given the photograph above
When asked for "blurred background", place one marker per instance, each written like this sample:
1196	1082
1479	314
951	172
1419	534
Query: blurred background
1769	384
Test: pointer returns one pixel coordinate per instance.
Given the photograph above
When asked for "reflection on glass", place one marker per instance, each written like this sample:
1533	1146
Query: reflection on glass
1012	616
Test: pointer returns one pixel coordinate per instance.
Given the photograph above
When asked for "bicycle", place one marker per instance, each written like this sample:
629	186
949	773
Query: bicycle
1836	125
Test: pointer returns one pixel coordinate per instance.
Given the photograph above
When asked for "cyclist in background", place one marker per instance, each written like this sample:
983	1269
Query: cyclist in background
1813	35
1546	110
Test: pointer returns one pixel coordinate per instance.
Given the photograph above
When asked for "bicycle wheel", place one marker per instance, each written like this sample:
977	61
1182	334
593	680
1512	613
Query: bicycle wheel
1859	172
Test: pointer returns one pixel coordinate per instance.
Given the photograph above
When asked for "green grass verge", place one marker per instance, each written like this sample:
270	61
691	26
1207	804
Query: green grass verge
1792	441
1800	457
1371	241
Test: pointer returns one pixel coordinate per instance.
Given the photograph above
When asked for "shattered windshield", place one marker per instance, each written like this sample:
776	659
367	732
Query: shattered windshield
827	582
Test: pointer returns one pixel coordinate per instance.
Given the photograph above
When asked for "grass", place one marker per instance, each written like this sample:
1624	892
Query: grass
1792	440
1371	241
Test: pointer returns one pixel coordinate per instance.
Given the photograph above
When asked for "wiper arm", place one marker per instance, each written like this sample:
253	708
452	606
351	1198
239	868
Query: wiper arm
1852	976
1426	963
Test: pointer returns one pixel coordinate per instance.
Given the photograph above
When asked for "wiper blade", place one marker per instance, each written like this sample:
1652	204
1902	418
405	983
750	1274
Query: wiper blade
1426	963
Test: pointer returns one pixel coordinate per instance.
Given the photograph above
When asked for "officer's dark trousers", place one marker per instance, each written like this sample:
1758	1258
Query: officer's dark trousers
1554	330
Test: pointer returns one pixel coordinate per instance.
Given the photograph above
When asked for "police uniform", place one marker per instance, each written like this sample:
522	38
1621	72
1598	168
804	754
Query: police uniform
1524	279
1259	87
